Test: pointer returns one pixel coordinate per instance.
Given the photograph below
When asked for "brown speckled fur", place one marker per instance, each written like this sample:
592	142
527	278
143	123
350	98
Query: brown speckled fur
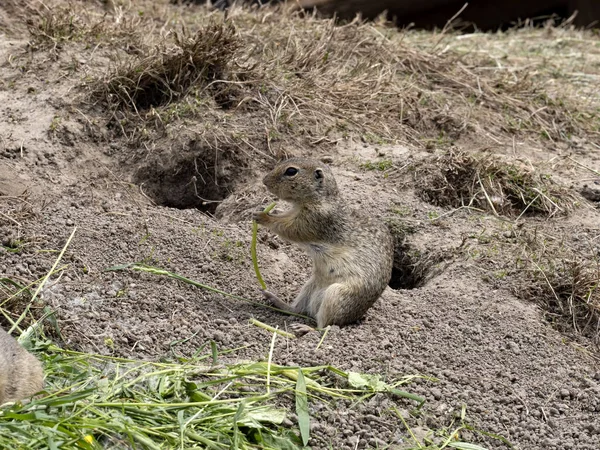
21	373
352	253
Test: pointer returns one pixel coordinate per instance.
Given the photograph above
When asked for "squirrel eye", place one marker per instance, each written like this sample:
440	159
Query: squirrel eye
291	171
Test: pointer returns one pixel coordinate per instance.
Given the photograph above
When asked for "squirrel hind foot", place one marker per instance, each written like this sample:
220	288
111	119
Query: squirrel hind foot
300	329
276	302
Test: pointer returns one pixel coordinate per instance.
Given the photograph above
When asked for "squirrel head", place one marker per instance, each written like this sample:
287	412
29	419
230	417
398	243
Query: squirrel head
301	180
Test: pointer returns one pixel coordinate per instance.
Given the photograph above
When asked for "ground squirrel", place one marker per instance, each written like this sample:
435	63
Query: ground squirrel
21	373
352	253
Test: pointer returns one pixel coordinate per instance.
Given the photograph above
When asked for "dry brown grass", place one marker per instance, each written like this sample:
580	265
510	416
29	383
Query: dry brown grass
368	79
567	289
53	23
50	28
295	80
170	69
458	179
14	211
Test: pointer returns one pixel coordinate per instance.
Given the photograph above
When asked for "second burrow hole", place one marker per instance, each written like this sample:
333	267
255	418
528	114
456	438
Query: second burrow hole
194	177
412	268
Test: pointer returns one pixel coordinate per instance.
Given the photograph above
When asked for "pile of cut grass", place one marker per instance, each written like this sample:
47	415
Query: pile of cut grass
94	401
458	179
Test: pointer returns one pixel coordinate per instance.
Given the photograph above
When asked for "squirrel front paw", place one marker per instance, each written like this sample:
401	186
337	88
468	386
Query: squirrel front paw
260	217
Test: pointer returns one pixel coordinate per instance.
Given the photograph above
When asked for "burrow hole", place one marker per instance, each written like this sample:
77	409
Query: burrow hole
198	178
411	269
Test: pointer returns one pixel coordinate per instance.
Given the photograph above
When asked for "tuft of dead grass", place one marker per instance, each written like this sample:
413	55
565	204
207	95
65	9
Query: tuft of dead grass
569	292
55	26
458	179
168	71
15	209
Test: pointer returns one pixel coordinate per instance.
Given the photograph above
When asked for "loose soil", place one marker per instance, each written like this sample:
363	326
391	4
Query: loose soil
181	199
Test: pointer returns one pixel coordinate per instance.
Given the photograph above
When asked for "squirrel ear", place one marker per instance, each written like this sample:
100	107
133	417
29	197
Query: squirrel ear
319	174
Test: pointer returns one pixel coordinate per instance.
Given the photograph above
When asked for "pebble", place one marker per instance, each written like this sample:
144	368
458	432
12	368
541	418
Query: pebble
514	347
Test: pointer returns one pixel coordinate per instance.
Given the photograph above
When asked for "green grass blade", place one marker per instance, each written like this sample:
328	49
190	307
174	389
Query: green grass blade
302	408
235	441
253	248
466	446
156	271
43	282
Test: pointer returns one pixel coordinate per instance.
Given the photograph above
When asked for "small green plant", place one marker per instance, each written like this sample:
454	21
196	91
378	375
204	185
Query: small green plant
402	211
381	165
109	343
371	138
55	124
433	215
500	274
